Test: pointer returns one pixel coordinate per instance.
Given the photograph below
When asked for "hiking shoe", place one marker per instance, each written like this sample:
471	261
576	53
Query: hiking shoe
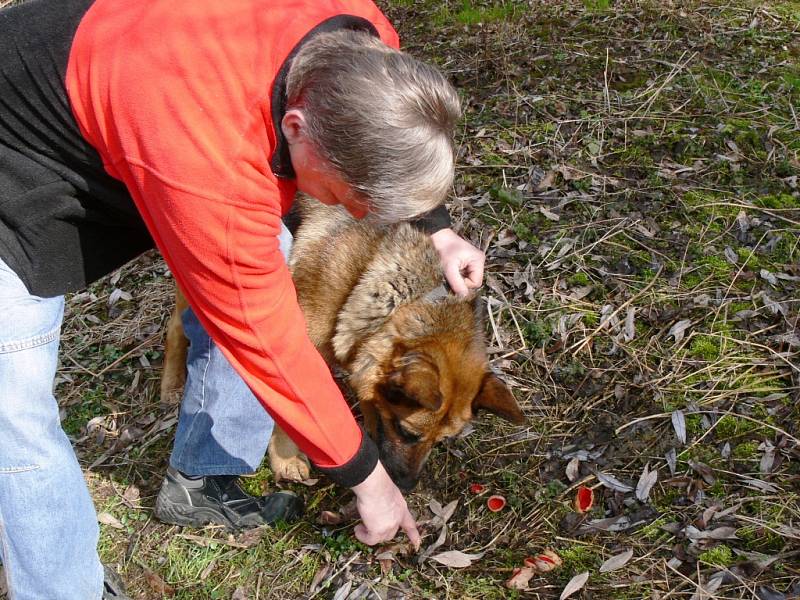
113	588
219	500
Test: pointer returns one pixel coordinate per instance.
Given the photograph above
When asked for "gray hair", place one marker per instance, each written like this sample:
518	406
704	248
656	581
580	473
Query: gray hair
383	120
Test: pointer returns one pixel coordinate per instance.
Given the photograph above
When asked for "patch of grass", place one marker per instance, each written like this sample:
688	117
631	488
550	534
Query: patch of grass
472	13
90	406
257	483
597	5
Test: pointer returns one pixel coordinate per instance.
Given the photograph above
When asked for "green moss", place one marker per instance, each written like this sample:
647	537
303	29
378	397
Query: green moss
691	281
716	267
591	319
537	332
578	279
508	197
717	489
778	201
735	307
748	257
785	251
760	539
694	424
705	347
653	532
479	587
730	426
720	556
577	559
342	543
665	501
746	451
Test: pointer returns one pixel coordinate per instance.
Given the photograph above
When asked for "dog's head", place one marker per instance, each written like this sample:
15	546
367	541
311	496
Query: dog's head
435	379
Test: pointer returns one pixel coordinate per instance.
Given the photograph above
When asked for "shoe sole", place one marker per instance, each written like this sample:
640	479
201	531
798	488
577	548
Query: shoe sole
176	513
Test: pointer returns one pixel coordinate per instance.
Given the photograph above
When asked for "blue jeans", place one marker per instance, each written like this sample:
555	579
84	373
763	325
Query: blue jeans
222	428
48	524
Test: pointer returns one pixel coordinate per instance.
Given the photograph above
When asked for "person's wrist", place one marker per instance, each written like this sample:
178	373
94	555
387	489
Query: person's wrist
442	237
374	483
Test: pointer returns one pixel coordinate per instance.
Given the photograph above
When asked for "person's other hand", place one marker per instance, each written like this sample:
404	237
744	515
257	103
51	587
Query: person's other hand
462	262
383	510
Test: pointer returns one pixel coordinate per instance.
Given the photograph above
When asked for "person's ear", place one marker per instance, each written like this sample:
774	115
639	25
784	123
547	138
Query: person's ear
294	125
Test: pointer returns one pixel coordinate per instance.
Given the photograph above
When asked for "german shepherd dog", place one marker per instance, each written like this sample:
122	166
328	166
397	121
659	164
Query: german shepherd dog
377	309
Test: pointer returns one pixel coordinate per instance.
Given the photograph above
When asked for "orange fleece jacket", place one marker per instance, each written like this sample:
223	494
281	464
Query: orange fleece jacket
176	97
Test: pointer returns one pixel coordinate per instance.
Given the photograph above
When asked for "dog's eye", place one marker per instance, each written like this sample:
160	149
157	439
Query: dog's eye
408	436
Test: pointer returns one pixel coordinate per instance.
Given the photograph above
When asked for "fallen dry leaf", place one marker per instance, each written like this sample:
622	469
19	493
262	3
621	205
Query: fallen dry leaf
678	329
575	584
679	423
456	559
616	562
646	482
157	584
239	594
110	520
613	483
573	468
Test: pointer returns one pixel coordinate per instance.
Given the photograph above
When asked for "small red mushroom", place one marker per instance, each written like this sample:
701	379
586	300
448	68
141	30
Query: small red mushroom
544	562
496	503
476	488
584	499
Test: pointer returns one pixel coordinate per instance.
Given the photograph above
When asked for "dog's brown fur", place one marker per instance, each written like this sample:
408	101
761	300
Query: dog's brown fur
417	364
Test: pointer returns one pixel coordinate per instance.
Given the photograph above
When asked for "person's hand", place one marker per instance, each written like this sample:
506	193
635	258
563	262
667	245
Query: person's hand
462	262
383	510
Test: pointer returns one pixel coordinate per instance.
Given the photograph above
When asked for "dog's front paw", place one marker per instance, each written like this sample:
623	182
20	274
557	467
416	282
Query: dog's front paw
292	468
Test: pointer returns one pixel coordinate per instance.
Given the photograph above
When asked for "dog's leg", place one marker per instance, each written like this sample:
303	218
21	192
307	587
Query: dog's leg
176	346
285	458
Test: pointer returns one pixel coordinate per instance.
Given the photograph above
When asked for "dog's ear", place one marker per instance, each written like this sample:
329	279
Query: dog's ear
495	397
414	380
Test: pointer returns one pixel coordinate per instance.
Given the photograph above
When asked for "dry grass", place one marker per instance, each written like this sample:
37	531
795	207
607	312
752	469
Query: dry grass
632	174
